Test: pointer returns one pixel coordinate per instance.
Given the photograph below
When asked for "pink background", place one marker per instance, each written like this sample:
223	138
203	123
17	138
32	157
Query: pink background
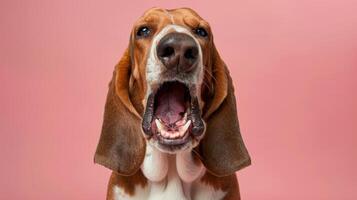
294	65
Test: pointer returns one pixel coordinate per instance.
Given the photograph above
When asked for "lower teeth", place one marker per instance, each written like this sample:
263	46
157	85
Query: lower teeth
172	134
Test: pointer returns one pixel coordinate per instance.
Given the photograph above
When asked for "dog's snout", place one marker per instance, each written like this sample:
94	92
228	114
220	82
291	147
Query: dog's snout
178	50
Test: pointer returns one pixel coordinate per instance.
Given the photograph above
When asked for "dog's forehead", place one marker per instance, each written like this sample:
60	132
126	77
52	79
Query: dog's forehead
180	16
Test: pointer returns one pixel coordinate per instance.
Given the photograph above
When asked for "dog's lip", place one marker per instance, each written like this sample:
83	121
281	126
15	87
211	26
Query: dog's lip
148	115
173	141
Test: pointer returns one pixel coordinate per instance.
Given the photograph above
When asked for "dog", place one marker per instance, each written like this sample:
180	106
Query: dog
170	128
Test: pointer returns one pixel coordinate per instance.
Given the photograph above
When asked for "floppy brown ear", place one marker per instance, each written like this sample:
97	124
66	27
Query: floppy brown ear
222	150
121	146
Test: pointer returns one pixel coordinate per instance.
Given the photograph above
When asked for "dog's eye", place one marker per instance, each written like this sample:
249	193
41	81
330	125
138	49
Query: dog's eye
143	31
201	32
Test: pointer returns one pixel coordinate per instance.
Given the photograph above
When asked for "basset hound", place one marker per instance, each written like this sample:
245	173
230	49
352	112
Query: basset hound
170	128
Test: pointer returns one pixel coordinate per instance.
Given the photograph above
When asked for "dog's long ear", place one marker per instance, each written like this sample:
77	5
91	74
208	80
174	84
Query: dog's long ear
121	146
222	150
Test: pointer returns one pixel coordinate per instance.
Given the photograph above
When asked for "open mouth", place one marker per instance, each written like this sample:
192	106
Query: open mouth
172	116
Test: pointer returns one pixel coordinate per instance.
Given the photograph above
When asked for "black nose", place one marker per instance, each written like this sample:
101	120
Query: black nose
178	50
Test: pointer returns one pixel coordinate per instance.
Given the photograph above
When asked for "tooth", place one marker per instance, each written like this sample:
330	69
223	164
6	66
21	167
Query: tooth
167	134
159	125
182	133
185	116
183	129
163	133
175	134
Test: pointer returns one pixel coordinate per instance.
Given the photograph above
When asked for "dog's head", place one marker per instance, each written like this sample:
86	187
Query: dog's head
171	90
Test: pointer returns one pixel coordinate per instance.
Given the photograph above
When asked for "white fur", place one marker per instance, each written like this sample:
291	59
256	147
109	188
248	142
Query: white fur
187	169
140	193
155	165
172	186
207	192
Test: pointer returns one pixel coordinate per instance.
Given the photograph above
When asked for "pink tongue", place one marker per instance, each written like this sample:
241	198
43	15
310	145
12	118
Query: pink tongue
170	103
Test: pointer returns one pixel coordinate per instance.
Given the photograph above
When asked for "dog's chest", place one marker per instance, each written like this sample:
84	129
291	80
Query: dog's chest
172	187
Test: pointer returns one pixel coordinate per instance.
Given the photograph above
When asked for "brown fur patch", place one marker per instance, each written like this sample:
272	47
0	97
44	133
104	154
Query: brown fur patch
196	159
228	184
127	183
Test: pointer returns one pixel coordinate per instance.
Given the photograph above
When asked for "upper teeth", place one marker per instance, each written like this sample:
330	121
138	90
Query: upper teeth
172	134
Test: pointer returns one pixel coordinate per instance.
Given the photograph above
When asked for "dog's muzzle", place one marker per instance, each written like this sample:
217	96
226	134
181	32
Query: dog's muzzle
172	116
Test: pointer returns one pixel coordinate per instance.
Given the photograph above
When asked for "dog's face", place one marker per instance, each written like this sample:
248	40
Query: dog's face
169	50
172	90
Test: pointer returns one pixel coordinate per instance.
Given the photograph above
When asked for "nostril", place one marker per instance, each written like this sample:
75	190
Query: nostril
167	52
191	53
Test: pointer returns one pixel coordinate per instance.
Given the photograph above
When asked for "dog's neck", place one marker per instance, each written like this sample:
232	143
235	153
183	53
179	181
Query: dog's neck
171	174
158	165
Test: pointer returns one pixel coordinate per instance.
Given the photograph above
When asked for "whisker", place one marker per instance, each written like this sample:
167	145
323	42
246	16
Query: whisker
206	84
209	73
